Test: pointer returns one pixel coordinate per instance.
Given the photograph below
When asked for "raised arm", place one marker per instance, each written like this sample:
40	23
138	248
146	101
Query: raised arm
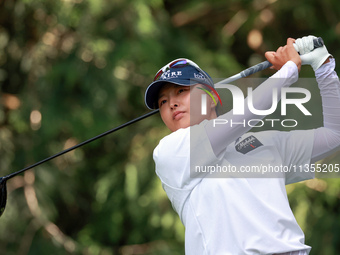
288	62
326	138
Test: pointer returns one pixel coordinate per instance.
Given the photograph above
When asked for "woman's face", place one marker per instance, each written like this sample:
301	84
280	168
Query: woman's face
180	106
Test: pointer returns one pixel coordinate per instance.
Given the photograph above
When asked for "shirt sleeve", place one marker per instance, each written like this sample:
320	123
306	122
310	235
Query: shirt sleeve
221	136
327	138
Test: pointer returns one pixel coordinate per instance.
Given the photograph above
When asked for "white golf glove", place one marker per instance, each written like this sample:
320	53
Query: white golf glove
316	57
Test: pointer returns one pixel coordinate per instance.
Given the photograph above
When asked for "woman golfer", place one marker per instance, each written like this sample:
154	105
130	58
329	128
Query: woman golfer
239	215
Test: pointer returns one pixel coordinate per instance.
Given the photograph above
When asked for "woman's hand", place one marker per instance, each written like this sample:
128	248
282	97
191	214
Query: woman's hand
283	55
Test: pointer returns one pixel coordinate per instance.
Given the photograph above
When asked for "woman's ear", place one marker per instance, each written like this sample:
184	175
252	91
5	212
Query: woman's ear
214	100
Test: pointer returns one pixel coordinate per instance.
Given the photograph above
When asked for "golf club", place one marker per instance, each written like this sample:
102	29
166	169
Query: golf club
318	42
247	72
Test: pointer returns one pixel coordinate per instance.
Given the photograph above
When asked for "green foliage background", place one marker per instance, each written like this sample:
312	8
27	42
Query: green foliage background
72	69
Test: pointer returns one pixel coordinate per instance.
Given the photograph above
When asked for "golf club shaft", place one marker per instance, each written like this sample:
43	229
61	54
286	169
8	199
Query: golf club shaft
318	42
81	144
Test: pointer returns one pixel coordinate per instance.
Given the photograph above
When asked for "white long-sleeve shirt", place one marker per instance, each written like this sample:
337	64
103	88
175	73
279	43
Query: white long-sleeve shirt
245	215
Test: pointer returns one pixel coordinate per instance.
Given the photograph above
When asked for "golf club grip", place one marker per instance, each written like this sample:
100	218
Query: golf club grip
318	42
256	68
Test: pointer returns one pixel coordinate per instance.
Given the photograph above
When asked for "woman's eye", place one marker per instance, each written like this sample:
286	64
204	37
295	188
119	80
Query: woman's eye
162	102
